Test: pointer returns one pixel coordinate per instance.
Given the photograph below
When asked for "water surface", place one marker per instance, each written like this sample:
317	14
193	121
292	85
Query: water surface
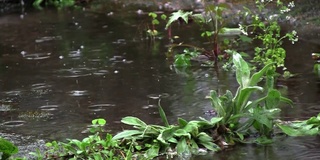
61	69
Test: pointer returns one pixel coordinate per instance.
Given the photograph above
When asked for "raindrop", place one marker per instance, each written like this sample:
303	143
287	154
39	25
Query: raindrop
149	106
23	53
153	96
49	107
13	123
78	93
100	72
37	56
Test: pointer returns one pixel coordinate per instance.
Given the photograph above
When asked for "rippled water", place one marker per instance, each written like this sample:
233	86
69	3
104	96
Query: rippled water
61	69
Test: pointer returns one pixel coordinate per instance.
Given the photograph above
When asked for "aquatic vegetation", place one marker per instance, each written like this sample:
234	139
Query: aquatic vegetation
212	18
185	138
265	30
268	32
56	3
92	147
7	149
241	112
309	127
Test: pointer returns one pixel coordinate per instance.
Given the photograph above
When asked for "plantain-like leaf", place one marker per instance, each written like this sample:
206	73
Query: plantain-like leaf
302	128
182	146
134	121
215	120
207	141
127	134
290	130
182	133
243	96
153	151
166	134
242	70
192	128
273	99
259	116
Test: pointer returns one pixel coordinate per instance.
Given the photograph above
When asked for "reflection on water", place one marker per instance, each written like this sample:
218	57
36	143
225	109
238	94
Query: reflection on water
79	66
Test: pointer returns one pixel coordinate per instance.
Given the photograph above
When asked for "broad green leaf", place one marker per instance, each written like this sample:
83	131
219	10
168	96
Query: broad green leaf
182	122
313	120
257	77
215	120
273	99
166	134
134	121
242	70
243	97
192	128
289	130
176	15
259	116
182	146
153	151
206	141
181	60
182	133
127	134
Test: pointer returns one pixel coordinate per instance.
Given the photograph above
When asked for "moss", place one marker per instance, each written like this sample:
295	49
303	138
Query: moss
7	149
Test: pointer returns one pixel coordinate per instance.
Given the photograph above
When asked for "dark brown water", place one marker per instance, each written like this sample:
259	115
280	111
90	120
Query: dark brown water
61	69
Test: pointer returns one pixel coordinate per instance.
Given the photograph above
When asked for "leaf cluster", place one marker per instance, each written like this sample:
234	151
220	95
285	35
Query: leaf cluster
185	138
241	112
7	149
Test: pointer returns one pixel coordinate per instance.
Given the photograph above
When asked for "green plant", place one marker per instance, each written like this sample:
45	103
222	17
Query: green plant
7	149
153	32
269	33
240	112
183	138
91	147
212	26
309	127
